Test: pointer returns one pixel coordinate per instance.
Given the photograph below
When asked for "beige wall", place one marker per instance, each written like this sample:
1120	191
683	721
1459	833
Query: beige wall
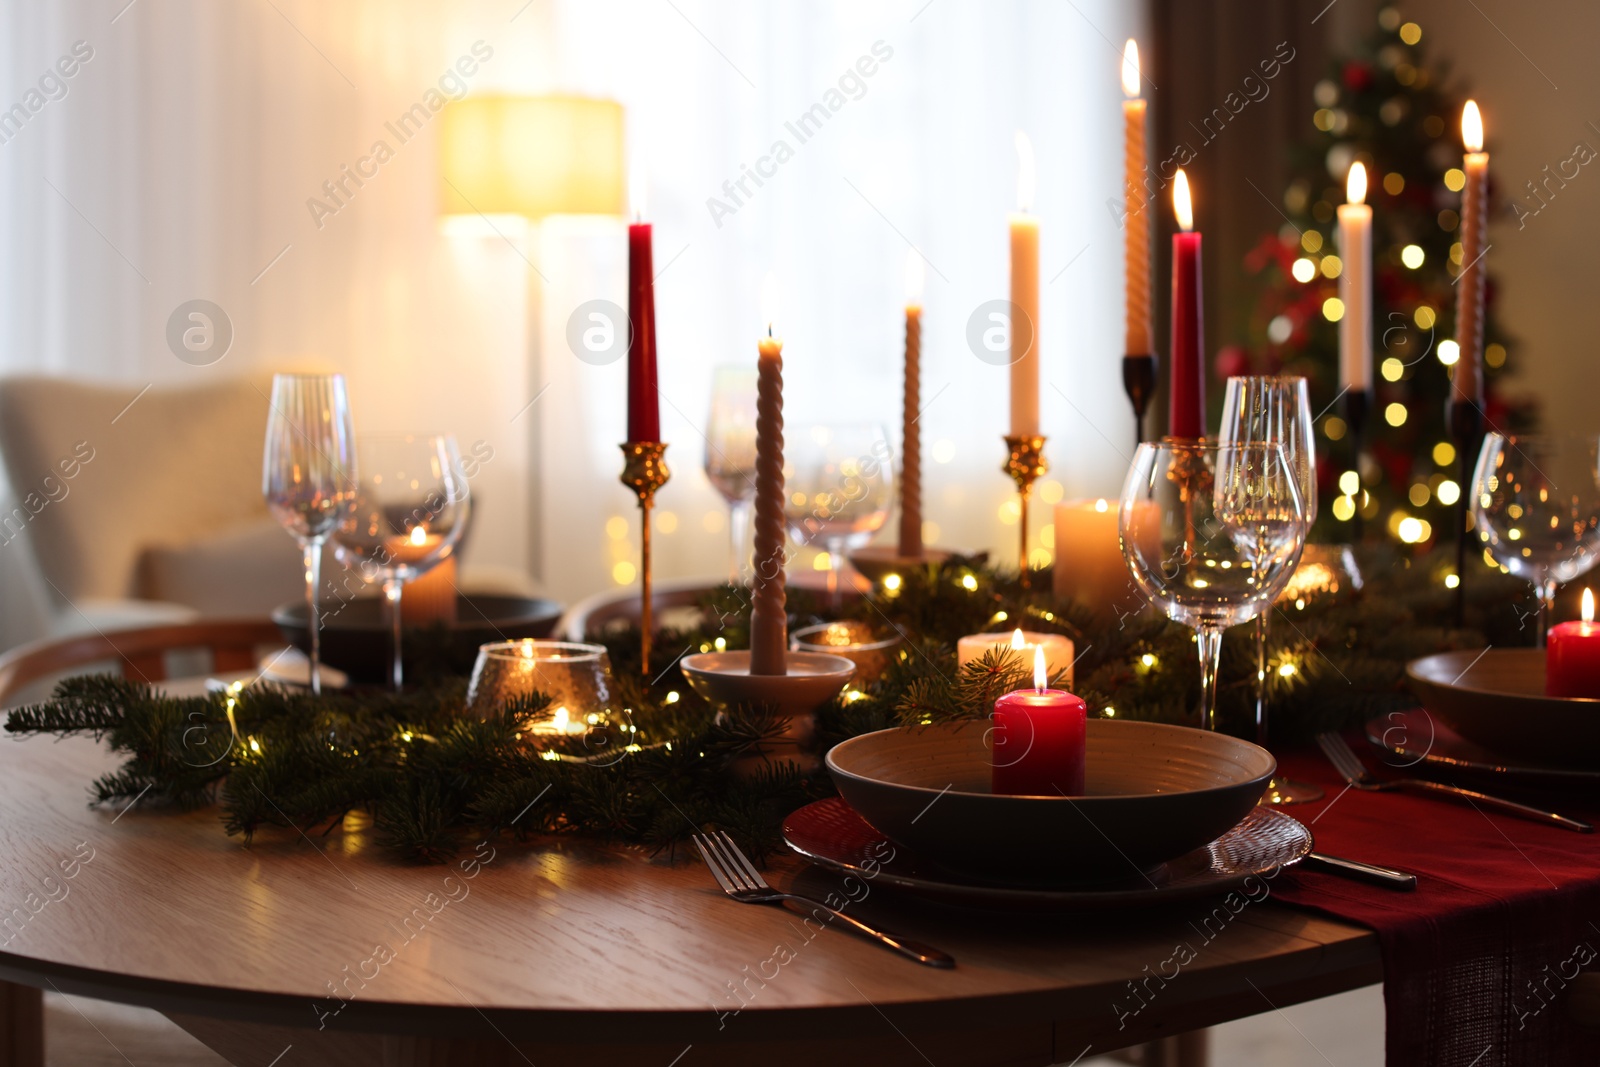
1533	72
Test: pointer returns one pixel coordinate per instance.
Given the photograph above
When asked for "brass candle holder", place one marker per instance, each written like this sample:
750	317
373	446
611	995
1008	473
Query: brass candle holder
644	470
1025	463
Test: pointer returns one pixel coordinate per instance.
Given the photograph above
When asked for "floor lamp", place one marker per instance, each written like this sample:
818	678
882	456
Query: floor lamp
531	157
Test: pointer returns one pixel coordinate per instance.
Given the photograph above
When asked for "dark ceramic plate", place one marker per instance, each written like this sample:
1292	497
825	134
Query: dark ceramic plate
830	834
1154	792
1417	739
355	635
1496	699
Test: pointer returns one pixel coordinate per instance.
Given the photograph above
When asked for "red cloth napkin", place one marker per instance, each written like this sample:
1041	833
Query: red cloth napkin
1505	913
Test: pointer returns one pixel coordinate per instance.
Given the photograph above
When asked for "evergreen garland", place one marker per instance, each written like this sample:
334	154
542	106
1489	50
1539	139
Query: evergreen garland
662	765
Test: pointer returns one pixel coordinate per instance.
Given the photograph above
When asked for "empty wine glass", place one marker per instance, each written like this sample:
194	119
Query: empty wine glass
731	452
839	486
1211	533
1275	410
1536	503
411	508
308	475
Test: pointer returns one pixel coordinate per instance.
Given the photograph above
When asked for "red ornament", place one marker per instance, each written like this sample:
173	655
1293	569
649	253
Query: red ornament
1357	76
1233	361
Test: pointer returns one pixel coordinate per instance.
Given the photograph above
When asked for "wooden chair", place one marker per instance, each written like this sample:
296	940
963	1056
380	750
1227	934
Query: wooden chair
141	654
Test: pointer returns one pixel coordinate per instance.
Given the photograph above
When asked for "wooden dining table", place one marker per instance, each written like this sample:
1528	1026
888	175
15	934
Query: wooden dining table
295	949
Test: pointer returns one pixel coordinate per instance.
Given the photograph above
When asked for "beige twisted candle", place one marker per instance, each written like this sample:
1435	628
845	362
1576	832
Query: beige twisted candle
911	441
769	618
1467	385
1136	232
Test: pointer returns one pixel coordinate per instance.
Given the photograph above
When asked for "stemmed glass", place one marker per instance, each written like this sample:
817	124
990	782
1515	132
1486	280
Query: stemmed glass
1275	410
731	452
308	475
1536	503
839	482
1211	533
411	508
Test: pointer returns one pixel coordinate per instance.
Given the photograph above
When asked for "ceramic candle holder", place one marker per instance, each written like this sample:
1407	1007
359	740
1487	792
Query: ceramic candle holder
813	679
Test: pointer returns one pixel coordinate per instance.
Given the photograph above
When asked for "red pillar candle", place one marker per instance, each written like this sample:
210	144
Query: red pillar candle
1187	416
1572	656
644	408
1039	740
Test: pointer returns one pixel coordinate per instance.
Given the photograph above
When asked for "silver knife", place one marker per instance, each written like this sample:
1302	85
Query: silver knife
1387	877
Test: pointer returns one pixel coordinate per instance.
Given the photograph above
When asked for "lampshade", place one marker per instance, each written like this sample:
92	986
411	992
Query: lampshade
532	156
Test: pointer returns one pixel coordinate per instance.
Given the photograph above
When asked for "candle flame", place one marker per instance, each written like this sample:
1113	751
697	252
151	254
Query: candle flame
1355	186
1181	204
1018	642
418	535
636	186
1101	505
1472	127
1130	68
1041	674
1027	179
769	300
1588	605
914	274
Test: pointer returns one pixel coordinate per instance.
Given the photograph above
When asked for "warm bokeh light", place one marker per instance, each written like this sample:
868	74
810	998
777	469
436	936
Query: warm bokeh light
1130	68
1027	175
1449	352
1182	205
1355	188
914	277
532	156
1472	127
1303	270
1413	256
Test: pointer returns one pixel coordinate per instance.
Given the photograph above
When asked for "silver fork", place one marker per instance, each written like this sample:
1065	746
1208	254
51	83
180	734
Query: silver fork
1355	772
741	881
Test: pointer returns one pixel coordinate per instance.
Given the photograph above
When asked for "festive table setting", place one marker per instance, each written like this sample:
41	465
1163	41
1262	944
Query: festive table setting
1018	800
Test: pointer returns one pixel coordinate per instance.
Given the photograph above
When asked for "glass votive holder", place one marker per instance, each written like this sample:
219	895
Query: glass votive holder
858	642
576	678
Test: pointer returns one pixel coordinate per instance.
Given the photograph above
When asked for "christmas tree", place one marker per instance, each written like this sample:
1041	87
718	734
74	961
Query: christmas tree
1396	113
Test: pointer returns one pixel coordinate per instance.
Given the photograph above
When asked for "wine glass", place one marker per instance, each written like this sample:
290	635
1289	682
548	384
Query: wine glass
411	508
1211	533
731	452
839	487
1536	503
1275	410
308	475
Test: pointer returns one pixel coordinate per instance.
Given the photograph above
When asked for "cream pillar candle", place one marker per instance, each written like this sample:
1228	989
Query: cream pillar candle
1088	554
1355	284
1024	299
1058	650
1467	385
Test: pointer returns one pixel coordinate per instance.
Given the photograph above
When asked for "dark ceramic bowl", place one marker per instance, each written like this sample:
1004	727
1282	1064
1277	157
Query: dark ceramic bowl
355	634
1497	699
1154	793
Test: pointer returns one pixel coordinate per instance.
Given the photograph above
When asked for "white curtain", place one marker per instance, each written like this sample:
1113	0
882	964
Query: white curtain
180	160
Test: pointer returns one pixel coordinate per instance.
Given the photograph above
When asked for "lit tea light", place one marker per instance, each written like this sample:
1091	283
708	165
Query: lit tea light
1058	650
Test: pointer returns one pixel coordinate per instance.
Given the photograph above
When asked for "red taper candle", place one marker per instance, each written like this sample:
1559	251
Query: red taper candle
1187	417
644	406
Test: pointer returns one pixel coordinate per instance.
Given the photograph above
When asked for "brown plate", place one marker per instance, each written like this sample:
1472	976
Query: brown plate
1496	699
355	634
831	834
1417	740
1153	792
